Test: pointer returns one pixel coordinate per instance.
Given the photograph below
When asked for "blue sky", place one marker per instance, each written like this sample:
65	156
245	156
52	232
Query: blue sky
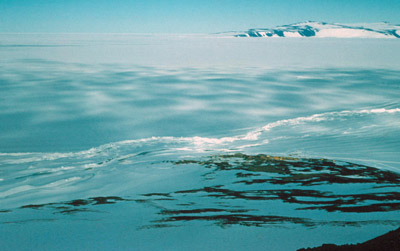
184	16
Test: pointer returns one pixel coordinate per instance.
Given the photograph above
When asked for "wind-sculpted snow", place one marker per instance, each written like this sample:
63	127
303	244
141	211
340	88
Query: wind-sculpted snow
58	107
324	30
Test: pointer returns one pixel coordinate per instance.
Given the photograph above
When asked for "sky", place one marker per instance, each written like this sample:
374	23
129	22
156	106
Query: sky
183	16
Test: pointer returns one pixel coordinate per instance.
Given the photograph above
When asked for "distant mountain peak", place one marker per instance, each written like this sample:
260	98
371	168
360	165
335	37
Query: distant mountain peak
324	30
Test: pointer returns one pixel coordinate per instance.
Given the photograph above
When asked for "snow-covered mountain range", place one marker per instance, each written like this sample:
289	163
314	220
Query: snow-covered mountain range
322	30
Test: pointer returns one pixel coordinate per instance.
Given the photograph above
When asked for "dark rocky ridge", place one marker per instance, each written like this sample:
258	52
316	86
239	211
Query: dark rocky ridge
387	242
